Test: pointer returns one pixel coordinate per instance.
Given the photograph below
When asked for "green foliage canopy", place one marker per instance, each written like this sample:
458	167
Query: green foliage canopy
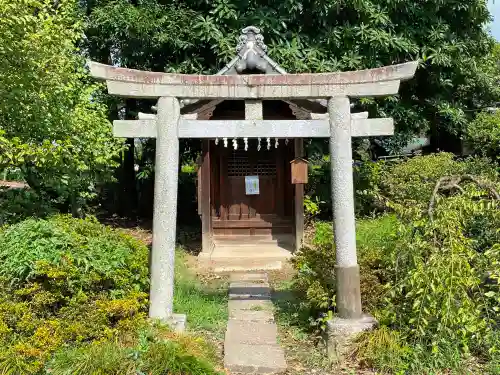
199	36
52	125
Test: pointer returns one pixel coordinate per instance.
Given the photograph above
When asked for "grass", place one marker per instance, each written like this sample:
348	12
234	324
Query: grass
204	305
156	351
373	233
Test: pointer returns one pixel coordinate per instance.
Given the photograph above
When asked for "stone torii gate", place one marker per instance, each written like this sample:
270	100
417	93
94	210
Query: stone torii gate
169	125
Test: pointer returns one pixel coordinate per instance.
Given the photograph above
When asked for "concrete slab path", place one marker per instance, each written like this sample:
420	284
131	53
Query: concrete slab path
250	345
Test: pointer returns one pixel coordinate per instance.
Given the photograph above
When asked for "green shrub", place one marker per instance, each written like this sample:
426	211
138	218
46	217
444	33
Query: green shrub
19	204
383	349
316	263
90	257
411	181
80	289
433	284
483	134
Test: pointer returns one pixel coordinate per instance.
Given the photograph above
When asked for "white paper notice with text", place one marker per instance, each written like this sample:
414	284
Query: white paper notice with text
252	185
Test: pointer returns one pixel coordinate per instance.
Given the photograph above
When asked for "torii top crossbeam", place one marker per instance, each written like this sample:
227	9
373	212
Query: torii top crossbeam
140	84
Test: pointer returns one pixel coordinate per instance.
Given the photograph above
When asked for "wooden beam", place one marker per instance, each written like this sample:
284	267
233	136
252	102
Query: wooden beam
206	219
299	200
253	128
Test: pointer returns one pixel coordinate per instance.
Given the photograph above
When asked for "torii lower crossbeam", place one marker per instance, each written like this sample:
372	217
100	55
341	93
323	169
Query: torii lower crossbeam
253	128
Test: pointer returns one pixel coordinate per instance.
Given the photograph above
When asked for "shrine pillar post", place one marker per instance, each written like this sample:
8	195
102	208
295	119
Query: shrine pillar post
165	212
344	225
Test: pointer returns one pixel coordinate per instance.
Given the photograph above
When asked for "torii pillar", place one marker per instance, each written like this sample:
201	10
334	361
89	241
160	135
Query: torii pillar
344	222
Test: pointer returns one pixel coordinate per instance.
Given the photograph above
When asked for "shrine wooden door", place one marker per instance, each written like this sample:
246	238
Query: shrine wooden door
271	209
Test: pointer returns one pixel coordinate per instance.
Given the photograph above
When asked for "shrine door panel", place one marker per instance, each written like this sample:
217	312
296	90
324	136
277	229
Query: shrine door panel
241	163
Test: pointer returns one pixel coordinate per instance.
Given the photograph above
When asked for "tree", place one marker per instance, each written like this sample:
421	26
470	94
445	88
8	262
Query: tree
199	36
53	126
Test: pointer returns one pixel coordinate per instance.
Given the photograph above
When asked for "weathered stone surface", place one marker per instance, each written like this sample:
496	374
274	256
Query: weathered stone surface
177	322
348	292
165	211
249	277
251	333
252	359
146	128
253	110
377	75
340	333
277	128
246	290
265	316
250	343
254	305
228	91
143	84
344	223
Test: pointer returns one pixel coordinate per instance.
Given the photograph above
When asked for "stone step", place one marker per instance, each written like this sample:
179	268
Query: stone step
264	316
254	359
238	240
250	252
253	258
250	344
248	277
251	333
250	305
242	290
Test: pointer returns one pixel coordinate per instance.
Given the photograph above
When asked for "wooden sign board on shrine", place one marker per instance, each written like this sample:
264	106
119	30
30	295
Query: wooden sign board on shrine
299	170
252	141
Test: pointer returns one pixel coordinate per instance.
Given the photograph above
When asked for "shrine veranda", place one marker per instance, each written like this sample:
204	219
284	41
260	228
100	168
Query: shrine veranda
271	112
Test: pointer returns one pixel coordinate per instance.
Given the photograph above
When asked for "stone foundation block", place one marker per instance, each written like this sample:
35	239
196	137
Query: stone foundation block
341	332
177	322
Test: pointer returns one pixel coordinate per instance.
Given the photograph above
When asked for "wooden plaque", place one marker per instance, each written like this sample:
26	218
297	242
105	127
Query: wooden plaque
299	171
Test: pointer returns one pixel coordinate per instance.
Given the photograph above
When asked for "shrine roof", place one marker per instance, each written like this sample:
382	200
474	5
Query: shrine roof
251	57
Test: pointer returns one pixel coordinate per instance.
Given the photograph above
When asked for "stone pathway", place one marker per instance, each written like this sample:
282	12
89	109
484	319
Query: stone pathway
250	346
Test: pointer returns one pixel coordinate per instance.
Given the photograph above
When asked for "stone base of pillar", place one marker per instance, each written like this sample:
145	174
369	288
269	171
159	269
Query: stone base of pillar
348	292
340	333
177	322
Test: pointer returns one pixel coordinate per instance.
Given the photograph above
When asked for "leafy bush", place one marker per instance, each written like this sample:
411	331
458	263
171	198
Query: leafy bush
411	182
19	204
433	283
79	289
92	257
483	134
402	182
316	263
443	289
